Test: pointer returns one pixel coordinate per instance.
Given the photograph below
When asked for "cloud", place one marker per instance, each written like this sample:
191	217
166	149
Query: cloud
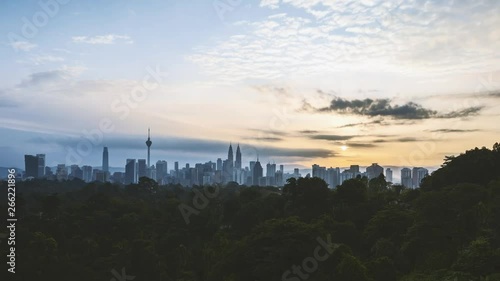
308	132
23	46
360	145
102	39
393	140
331	137
191	145
384	108
454	131
321	37
51	76
279	92
41	59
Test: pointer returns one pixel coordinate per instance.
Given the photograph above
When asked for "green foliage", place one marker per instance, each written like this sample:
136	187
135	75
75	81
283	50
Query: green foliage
447	230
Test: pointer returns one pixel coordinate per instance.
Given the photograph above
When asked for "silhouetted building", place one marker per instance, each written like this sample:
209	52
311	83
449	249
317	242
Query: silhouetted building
130	172
388	175
105	160
87	173
219	164
141	168
148	144
406	178
30	166
161	171
419	174
257	173
41	165
237	163
61	172
374	171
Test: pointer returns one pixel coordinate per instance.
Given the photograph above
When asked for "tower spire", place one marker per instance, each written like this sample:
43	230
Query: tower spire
149	143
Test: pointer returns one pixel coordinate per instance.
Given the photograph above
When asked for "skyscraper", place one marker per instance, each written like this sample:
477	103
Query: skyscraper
388	175
257	173
130	171
161	171
141	168
419	174
406	177
149	143
374	171
237	163
105	160
87	173
219	164
41	165
31	166
230	154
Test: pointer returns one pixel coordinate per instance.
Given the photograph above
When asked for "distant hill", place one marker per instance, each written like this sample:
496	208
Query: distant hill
4	172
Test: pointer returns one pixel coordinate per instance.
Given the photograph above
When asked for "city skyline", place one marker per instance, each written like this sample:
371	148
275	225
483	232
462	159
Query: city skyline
220	171
401	83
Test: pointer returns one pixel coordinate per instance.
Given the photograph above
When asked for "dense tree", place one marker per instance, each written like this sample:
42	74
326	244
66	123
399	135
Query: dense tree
447	230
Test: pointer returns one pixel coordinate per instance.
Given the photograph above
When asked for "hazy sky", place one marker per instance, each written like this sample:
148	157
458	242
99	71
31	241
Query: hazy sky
400	83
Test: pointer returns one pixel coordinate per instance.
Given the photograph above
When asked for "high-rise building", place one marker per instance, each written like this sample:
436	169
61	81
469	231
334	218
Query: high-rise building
161	171
271	174
61	172
148	144
31	166
282	169
374	171
319	172
141	168
105	160
219	164
237	163
406	178
130	172
355	170
388	175
332	177
230	154
87	173
257	173
419	174
41	165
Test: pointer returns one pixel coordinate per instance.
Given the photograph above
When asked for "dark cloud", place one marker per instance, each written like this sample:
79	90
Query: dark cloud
43	77
384	108
360	145
280	92
266	133
470	111
393	140
363	124
331	137
453	131
308	132
190	145
266	139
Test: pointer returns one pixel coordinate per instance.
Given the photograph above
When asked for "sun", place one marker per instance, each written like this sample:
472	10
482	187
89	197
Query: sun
344	147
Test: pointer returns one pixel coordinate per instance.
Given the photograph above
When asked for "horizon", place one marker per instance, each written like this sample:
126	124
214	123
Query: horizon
336	84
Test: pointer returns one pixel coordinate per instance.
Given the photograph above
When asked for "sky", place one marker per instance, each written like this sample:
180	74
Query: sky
295	82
